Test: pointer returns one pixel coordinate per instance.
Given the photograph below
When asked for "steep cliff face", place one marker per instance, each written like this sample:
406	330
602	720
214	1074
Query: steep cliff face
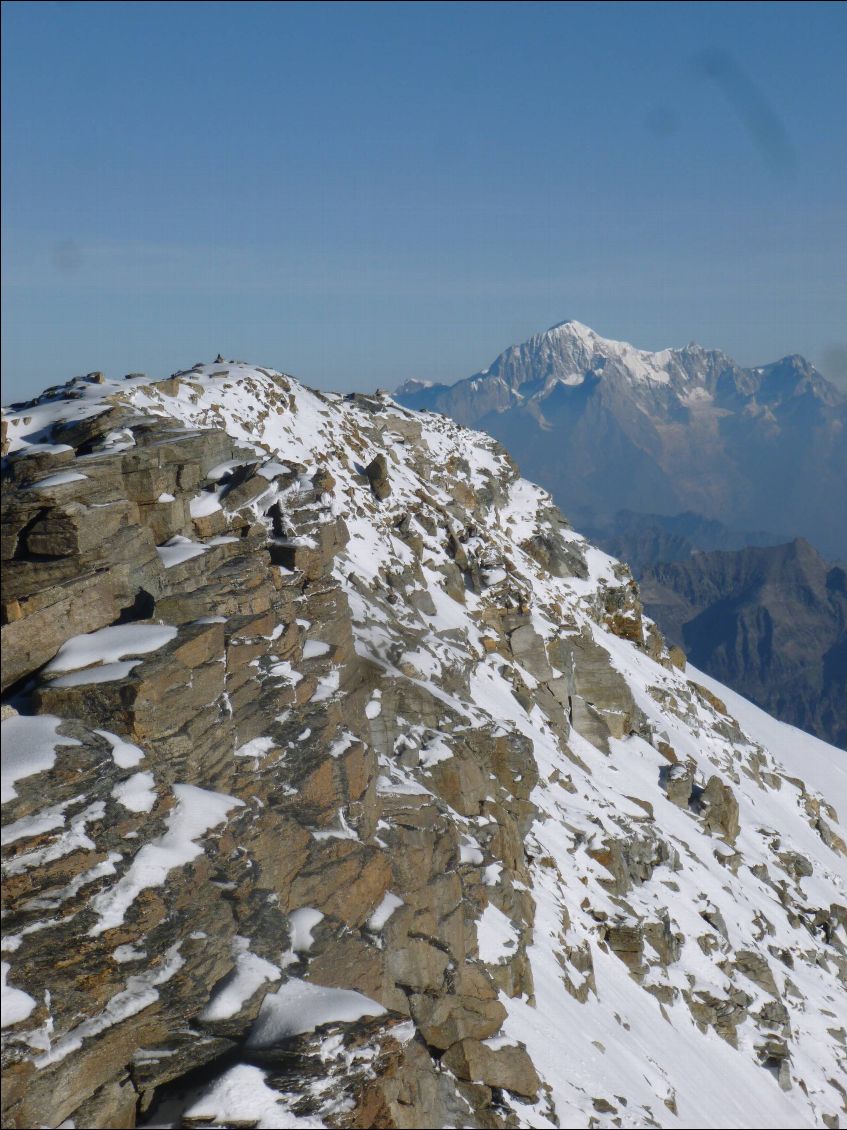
344	784
770	622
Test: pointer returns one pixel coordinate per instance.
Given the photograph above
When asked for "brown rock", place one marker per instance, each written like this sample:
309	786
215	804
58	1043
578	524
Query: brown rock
720	809
677	657
377	473
417	965
507	1067
445	1019
707	696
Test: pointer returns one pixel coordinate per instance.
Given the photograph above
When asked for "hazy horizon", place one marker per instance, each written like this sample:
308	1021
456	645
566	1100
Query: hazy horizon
359	193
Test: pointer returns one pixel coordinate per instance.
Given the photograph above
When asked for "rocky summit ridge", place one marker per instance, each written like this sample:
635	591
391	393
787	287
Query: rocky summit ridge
344	784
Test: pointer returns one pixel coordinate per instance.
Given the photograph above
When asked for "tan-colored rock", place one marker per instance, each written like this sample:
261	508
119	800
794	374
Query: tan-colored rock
754	966
41	625
445	1019
677	657
509	1067
344	879
720	809
377	473
707	696
418	965
680	785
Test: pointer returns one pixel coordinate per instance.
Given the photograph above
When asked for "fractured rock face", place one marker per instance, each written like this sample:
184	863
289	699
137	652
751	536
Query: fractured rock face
360	800
507	1067
720	809
377	473
680	785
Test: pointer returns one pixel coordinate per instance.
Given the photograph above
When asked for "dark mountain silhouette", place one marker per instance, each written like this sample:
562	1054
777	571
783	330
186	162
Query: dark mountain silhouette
769	621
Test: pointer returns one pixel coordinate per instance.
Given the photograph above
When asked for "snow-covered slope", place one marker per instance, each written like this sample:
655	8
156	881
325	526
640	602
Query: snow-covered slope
646	873
819	764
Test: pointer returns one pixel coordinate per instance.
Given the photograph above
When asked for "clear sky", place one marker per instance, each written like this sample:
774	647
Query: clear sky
360	193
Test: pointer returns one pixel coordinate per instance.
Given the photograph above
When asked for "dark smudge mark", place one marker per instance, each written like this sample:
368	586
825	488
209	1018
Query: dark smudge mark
67	256
661	121
757	115
833	364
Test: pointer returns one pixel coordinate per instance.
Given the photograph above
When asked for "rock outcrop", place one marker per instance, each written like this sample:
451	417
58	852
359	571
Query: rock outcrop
344	784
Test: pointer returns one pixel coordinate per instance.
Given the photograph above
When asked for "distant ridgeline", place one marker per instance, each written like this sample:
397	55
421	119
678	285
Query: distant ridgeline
770	622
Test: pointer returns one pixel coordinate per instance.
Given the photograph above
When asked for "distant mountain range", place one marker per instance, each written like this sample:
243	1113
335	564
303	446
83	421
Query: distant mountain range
769	621
705	477
605	426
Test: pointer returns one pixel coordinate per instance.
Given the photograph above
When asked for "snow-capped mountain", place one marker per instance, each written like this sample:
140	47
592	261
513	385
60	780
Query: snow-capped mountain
344	784
606	426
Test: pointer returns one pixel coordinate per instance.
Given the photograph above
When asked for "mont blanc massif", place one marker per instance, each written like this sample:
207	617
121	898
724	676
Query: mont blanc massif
346	785
725	489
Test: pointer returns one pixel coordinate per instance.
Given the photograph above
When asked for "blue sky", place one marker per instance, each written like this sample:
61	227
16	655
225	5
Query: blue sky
362	193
